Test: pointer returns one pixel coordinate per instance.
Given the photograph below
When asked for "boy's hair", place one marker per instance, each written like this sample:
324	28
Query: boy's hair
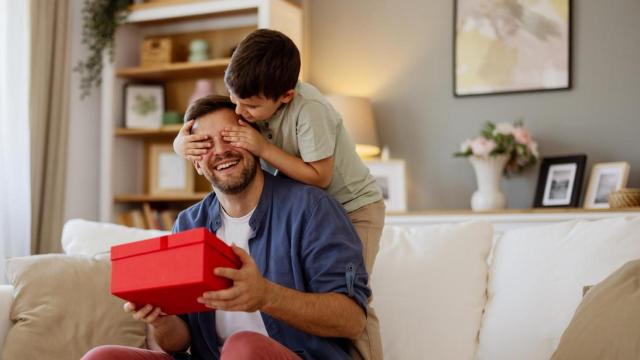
265	63
208	104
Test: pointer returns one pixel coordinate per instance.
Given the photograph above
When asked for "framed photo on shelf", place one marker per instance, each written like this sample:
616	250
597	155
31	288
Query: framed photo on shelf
511	46
605	178
390	176
168	173
144	106
560	181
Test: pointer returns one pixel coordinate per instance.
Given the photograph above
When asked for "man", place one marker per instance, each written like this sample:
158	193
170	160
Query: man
302	289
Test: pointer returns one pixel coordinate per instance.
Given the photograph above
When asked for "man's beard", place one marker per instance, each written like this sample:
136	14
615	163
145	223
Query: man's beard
236	185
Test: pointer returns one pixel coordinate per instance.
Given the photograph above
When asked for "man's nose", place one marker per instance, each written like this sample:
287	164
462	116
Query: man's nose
219	146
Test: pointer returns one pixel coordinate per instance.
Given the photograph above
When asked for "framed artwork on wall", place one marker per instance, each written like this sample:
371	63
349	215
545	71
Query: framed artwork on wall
605	178
560	181
168	173
390	176
511	46
144	106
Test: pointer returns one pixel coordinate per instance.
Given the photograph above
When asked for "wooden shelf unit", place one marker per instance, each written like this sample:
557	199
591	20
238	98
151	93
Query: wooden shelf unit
125	167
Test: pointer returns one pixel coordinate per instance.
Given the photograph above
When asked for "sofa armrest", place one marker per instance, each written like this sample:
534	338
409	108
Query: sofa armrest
6	299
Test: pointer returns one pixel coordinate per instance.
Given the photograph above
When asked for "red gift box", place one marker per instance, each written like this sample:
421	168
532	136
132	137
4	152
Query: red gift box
171	271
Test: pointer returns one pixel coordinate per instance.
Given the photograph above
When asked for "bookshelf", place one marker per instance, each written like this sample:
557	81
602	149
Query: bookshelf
126	195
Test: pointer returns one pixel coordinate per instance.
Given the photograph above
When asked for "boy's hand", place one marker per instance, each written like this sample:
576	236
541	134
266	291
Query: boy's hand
191	147
149	314
246	137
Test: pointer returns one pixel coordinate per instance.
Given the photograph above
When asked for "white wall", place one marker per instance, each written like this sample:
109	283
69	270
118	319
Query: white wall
84	123
399	53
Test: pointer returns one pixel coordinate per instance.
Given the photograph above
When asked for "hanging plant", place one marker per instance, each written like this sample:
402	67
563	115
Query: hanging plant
100	19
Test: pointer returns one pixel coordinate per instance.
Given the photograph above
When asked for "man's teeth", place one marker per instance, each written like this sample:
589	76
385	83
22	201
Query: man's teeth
226	165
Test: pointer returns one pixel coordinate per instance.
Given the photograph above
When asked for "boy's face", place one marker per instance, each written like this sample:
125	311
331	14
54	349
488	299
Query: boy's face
258	108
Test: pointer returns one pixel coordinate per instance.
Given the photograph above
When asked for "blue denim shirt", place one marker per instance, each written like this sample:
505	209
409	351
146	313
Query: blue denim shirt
302	239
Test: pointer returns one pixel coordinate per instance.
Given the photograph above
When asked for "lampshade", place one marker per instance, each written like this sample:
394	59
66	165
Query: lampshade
357	116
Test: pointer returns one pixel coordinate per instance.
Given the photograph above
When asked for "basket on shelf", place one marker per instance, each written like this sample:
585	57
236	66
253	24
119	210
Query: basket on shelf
624	198
156	51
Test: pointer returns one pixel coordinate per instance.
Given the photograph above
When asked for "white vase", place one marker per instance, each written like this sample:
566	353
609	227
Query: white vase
488	174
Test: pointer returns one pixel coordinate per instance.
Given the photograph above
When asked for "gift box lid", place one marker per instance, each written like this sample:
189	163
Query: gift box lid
183	238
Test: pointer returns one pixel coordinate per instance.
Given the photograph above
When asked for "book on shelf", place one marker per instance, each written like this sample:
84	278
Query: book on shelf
148	218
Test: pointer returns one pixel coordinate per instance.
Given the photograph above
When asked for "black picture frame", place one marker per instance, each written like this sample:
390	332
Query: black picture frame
460	92
560	181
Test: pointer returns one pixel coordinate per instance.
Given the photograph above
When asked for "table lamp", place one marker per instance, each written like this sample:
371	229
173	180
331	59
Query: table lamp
357	116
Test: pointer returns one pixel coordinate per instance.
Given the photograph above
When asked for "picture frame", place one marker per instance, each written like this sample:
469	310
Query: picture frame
390	175
604	179
504	47
168	172
560	181
144	105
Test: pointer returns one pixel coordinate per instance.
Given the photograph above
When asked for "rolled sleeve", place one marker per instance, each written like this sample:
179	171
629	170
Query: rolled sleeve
316	130
332	253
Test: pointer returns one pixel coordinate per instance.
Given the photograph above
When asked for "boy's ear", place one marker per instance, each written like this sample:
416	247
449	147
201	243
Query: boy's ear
198	167
288	96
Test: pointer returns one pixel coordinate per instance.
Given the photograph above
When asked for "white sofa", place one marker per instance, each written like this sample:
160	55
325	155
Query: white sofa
461	286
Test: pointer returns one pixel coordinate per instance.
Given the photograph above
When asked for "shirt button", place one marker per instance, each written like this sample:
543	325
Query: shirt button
270	136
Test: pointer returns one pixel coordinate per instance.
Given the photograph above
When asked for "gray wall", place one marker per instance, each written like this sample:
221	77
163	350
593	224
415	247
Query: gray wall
399	53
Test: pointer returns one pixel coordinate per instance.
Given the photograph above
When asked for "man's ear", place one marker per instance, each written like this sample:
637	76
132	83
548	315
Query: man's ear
198	167
288	96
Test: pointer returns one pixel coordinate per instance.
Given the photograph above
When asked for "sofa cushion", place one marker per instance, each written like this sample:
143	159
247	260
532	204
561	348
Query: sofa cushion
605	325
429	286
62	308
82	237
536	280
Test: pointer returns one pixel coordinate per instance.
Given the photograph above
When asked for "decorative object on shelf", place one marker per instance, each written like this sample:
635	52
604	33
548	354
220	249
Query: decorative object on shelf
560	181
605	178
511	46
198	50
168	173
501	148
202	88
171	118
100	19
156	51
390	176
144	106
624	198
357	116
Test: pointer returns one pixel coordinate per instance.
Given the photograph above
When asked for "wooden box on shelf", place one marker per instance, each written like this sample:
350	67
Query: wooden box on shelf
156	51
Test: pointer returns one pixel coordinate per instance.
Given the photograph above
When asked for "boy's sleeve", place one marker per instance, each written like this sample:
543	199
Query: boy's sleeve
316	129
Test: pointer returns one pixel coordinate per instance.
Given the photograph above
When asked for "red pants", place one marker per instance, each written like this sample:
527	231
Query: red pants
240	346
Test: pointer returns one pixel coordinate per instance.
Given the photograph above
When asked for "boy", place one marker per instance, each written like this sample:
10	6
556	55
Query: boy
301	136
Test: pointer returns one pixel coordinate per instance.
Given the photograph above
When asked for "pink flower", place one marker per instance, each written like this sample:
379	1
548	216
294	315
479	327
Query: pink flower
482	147
522	136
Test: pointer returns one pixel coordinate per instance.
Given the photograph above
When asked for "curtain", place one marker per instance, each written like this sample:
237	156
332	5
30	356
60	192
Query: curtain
15	191
49	102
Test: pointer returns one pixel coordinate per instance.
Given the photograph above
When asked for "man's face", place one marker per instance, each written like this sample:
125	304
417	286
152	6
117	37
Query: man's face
229	169
258	108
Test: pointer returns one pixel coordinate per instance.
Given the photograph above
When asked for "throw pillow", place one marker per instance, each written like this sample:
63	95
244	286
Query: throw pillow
605	325
62	308
429	286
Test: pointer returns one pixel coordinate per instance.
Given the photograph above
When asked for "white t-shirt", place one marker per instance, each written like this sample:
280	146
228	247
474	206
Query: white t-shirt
236	231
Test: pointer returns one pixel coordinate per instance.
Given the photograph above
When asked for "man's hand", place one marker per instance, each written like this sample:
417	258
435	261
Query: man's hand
249	290
191	147
148	313
246	137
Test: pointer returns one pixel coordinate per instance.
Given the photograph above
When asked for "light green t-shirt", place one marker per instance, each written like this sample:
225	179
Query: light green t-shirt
309	128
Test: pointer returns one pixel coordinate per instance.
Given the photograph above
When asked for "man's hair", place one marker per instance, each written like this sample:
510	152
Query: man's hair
208	104
265	63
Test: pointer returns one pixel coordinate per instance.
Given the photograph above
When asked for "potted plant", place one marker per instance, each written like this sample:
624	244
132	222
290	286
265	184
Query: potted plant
501	148
100	18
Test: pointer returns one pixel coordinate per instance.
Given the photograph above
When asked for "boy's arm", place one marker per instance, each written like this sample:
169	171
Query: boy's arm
317	173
